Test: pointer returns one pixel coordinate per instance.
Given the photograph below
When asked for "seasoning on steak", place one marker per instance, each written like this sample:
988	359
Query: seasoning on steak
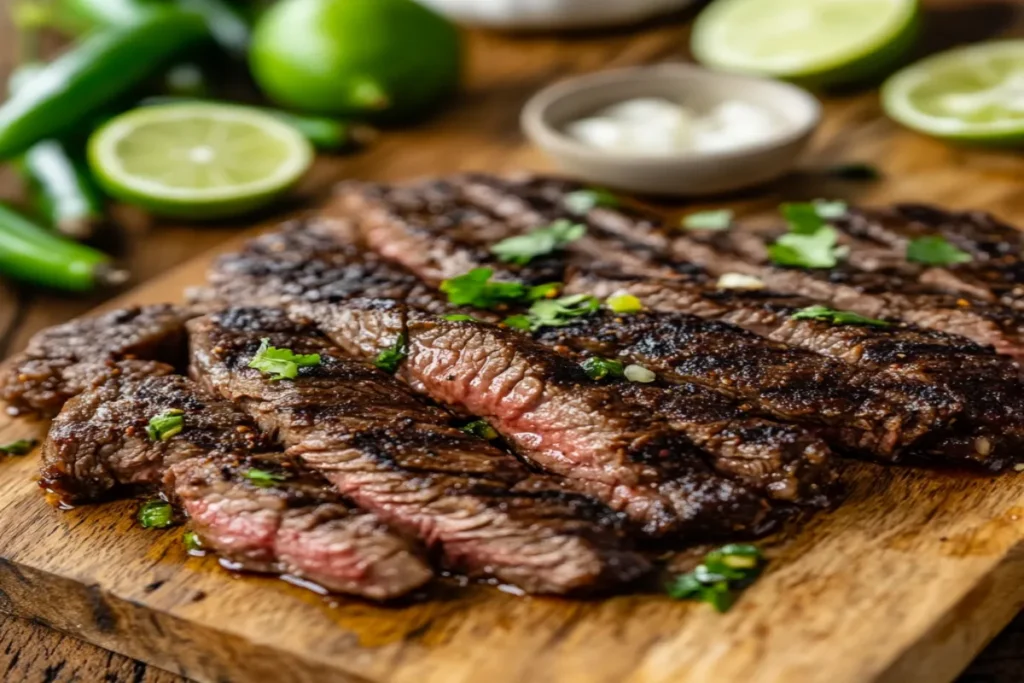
63	360
558	418
401	459
987	384
286	521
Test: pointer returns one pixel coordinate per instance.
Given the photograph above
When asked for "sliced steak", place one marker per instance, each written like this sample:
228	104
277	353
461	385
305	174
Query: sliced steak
987	385
396	456
556	417
308	261
61	361
288	521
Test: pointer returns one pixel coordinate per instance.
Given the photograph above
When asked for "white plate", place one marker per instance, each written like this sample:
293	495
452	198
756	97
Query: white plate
552	14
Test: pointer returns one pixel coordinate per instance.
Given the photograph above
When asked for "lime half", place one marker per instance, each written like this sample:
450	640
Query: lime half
974	94
817	42
197	160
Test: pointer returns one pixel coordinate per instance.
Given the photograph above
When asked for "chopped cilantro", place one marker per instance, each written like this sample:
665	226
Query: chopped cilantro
165	425
816	250
476	289
522	249
803	218
518	322
264	479
935	251
718	579
281	363
555	312
156	514
389	359
598	368
461	318
717	220
582	202
482	429
19	447
835	317
624	302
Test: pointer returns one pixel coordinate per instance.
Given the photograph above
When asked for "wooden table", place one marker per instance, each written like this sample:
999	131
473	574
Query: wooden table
31	652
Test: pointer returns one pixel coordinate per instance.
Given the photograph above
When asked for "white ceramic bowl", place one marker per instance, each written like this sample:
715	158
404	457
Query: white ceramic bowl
552	14
685	174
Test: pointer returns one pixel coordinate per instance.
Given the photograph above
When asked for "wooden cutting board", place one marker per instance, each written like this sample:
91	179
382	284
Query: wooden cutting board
905	582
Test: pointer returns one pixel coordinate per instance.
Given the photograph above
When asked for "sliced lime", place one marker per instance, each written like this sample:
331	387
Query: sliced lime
974	94
819	42
198	160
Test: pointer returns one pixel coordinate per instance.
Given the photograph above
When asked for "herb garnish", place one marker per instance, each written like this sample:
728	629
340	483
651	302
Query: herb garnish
830	209
810	242
482	429
717	220
624	302
554	312
721	576
156	514
936	251
281	363
264	479
191	541
389	359
476	289
855	171
522	249
582	202
19	447
461	318
835	317
165	425
598	368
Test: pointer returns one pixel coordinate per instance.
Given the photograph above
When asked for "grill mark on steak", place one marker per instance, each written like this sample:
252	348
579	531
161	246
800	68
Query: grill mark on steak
299	526
986	384
401	459
556	417
63	360
859	410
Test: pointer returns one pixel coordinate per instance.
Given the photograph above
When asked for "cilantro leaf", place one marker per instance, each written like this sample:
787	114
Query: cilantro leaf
582	202
718	579
281	363
560	312
835	317
156	514
717	220
165	425
518	322
803	218
461	318
481	428
816	250
936	251
598	368
19	447
522	249
476	289
264	479
389	359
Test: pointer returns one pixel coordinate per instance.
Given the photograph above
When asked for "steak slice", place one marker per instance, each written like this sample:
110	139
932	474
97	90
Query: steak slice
61	361
556	417
861	411
308	261
290	521
401	459
987	384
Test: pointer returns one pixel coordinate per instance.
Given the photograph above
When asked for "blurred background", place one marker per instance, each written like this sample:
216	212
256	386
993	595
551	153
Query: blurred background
138	134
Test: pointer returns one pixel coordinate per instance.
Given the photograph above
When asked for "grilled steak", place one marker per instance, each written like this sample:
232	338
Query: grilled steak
62	361
402	460
286	521
986	384
556	417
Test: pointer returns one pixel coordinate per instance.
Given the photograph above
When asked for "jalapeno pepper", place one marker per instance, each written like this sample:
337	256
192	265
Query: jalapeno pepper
29	252
106	65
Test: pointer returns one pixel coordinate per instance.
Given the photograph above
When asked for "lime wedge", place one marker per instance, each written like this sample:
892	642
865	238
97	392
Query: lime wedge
974	94
198	160
816	42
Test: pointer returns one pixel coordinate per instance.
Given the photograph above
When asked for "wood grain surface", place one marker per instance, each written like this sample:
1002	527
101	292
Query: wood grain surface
907	582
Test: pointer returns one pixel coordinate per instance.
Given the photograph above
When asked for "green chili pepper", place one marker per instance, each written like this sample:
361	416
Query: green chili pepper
327	134
31	253
107	64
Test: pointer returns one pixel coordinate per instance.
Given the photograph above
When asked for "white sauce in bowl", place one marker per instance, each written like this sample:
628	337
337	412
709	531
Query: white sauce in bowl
658	127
